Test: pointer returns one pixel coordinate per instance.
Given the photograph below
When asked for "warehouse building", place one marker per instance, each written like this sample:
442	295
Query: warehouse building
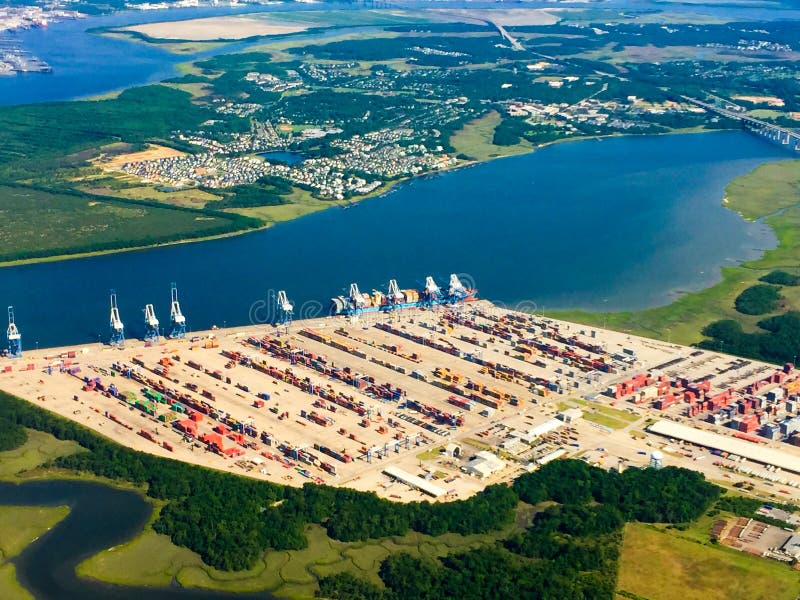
749	450
415	482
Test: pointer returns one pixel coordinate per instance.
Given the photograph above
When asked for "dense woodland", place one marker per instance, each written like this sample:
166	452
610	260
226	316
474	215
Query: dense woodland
569	550
758	300
777	342
12	435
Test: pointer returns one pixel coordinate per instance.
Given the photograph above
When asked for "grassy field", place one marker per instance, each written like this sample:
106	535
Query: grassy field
192	198
666	564
301	203
173	47
152	559
38	450
475	140
771	192
607	416
21	525
37	223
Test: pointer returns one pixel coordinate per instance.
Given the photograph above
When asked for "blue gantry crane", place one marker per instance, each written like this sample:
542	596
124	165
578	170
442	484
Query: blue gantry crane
13	335
177	322
117	337
285	310
151	332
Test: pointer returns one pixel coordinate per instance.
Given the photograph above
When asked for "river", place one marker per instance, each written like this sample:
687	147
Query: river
100	517
622	223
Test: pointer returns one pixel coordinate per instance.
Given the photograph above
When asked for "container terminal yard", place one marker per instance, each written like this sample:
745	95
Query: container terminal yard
423	403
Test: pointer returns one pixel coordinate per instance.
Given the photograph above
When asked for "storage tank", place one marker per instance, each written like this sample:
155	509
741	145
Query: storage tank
656	459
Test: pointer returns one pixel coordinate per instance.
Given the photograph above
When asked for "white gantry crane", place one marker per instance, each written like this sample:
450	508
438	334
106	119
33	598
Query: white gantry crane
395	296
117	337
13	336
177	322
456	291
356	298
432	292
151	332
285	309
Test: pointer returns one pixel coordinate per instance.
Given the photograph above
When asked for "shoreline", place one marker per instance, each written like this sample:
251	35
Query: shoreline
682	320
384	190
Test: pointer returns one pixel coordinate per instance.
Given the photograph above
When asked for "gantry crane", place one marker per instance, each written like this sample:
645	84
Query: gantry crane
151	333
117	328
432	292
395	296
356	299
13	335
285	309
177	322
456	290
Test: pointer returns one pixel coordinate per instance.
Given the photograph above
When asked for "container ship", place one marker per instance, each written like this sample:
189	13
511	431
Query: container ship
431	295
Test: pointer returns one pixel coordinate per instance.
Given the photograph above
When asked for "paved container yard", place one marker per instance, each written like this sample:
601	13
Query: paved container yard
419	404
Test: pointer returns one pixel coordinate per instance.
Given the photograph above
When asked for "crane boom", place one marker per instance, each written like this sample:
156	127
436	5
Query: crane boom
150	324
117	328
13	336
356	297
285	309
176	319
394	295
456	289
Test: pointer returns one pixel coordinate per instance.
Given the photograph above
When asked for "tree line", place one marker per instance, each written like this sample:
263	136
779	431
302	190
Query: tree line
569	550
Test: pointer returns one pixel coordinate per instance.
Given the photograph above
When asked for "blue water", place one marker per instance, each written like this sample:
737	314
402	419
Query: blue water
289	158
85	64
620	224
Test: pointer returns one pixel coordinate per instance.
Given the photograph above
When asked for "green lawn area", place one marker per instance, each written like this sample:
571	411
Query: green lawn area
771	191
666	564
475	139
39	223
613	418
19	526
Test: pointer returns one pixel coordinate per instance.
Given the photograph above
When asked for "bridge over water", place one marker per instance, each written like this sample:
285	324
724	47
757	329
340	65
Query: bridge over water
774	133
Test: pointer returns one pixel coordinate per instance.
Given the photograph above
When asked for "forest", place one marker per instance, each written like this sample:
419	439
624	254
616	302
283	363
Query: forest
777	342
231	520
568	551
758	300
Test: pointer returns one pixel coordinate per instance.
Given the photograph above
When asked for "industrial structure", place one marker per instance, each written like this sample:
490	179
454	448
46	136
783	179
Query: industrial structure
430	296
177	322
440	404
13	335
656	459
117	337
285	309
151	332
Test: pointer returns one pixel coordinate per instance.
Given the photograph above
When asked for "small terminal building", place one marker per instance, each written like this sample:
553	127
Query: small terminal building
485	464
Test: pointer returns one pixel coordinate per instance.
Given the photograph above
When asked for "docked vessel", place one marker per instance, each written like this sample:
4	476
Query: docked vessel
431	295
